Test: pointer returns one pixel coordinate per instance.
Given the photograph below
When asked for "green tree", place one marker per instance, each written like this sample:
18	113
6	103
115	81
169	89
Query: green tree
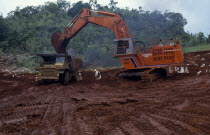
77	7
63	5
93	4
112	5
208	39
4	29
200	37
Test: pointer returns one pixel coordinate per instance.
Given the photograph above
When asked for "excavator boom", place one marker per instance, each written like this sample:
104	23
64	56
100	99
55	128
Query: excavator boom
111	21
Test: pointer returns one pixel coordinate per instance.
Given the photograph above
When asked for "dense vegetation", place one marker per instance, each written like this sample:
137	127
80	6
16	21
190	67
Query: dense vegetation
28	31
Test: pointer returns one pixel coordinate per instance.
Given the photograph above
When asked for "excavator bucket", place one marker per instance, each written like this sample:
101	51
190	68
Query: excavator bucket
58	41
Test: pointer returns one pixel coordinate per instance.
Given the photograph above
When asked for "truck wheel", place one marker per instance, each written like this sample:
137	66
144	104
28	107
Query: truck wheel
66	78
76	76
61	78
41	82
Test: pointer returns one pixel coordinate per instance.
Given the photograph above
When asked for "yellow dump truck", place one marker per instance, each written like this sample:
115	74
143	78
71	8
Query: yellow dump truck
59	67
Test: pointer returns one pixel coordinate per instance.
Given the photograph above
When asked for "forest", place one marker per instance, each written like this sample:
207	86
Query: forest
27	31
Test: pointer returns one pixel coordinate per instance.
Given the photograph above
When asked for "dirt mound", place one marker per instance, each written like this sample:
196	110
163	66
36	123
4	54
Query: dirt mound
198	62
8	63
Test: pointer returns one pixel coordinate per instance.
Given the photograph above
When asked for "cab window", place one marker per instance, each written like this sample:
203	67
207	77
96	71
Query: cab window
60	59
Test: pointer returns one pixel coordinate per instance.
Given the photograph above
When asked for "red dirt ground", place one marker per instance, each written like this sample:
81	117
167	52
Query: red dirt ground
179	104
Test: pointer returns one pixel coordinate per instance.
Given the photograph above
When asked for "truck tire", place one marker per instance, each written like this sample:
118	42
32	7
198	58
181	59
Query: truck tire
66	78
75	77
61	78
41	82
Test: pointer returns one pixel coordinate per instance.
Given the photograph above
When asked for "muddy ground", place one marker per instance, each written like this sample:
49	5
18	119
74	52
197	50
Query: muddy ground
179	104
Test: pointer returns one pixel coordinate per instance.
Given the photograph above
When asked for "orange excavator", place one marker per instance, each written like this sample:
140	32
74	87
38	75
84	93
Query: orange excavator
149	66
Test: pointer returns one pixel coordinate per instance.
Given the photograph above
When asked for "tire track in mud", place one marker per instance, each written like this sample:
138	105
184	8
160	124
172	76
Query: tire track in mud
59	117
27	108
180	118
130	128
159	127
162	107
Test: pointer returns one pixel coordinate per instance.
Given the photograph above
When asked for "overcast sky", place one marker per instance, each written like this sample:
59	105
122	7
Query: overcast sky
195	11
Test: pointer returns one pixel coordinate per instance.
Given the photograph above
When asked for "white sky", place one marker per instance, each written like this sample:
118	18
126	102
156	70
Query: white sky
195	11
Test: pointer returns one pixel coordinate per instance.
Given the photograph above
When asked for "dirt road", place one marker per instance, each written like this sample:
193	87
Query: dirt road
177	105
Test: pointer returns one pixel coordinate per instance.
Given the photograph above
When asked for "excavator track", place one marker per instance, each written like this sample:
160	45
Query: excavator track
150	75
147	75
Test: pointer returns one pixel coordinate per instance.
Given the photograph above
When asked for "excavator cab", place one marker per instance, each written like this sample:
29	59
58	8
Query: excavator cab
124	46
121	47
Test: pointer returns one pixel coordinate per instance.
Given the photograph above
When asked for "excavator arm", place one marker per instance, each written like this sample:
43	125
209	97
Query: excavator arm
112	21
